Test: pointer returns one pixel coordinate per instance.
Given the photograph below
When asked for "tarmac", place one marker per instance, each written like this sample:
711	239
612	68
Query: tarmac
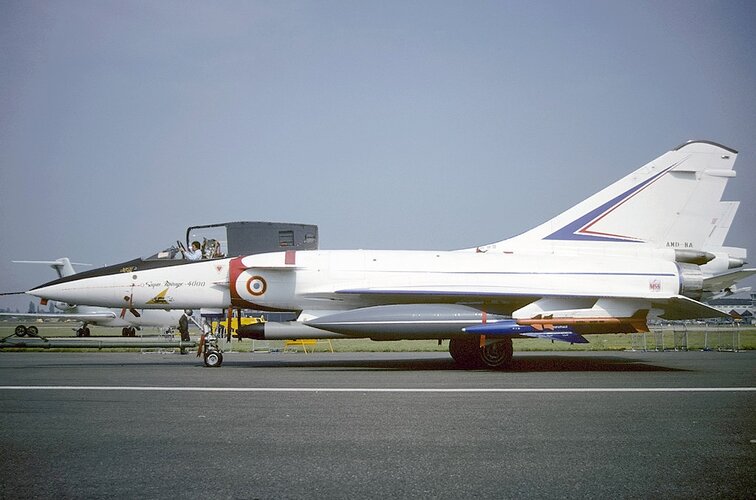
369	425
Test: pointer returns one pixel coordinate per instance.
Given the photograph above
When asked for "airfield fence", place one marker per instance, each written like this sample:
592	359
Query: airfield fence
684	337
662	337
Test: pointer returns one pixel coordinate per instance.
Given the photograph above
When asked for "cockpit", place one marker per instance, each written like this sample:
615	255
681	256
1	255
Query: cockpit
210	248
231	239
216	241
211	242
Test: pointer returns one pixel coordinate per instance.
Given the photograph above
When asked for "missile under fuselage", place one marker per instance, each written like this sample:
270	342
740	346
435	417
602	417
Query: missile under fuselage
406	321
510	327
588	325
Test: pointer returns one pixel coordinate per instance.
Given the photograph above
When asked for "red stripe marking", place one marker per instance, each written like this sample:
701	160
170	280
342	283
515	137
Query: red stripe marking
291	257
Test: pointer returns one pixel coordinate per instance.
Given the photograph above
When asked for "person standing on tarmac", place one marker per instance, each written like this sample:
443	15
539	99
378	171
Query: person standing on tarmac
183	327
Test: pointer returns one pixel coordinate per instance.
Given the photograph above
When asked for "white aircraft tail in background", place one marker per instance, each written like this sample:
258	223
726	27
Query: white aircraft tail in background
62	266
728	268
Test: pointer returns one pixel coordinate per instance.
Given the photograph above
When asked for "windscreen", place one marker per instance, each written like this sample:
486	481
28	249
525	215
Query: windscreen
213	241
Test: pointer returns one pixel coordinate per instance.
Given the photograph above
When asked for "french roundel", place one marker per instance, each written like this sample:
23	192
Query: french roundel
256	285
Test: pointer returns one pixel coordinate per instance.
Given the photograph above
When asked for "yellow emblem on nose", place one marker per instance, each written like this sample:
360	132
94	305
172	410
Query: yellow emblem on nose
159	298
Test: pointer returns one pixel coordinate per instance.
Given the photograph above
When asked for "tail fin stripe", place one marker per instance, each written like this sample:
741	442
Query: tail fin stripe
579	229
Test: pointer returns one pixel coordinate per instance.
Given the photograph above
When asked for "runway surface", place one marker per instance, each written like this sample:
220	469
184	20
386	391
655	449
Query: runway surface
356	425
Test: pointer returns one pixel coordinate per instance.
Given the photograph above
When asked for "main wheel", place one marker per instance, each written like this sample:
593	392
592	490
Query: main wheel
124	332
86	332
465	352
80	332
468	353
32	331
20	331
497	354
213	359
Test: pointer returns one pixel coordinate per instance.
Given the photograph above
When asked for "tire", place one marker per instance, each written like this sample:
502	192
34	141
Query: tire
32	331
213	359
20	331
80	332
468	354
497	355
86	332
124	332
465	353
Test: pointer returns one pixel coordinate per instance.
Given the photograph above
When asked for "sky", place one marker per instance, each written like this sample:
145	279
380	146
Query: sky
390	125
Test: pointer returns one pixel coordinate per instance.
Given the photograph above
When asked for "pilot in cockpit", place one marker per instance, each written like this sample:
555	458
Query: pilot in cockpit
194	253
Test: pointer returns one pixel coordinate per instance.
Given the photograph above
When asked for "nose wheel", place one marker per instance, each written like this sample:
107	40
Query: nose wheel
213	359
210	351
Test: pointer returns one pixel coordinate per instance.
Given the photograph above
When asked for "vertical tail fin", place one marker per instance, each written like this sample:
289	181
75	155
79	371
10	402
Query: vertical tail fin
672	201
62	266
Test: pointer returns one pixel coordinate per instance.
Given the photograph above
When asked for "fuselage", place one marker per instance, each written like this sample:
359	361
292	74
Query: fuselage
341	280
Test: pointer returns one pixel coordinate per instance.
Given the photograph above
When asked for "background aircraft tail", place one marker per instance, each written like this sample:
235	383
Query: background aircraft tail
672	202
62	266
716	238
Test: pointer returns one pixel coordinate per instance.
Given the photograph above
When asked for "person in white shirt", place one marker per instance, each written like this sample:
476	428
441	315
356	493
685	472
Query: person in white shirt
194	253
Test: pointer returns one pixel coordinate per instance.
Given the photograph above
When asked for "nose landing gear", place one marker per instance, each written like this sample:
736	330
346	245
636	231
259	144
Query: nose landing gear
210	350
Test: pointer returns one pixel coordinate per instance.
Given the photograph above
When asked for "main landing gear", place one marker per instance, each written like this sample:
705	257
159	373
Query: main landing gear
23	331
83	332
128	331
479	352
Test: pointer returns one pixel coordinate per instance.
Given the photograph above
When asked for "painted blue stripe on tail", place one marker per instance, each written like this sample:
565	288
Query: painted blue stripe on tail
574	230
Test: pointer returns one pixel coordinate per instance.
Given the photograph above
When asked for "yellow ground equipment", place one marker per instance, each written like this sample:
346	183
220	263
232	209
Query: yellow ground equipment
220	326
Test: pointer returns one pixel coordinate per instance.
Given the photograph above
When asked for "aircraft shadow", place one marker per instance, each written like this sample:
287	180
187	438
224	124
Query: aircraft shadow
529	364
551	363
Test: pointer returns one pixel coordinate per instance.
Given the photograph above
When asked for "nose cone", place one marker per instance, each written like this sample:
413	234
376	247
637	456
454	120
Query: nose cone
93	287
58	290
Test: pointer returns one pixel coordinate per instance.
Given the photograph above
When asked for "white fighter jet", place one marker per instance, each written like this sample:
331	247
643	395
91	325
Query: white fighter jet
646	246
